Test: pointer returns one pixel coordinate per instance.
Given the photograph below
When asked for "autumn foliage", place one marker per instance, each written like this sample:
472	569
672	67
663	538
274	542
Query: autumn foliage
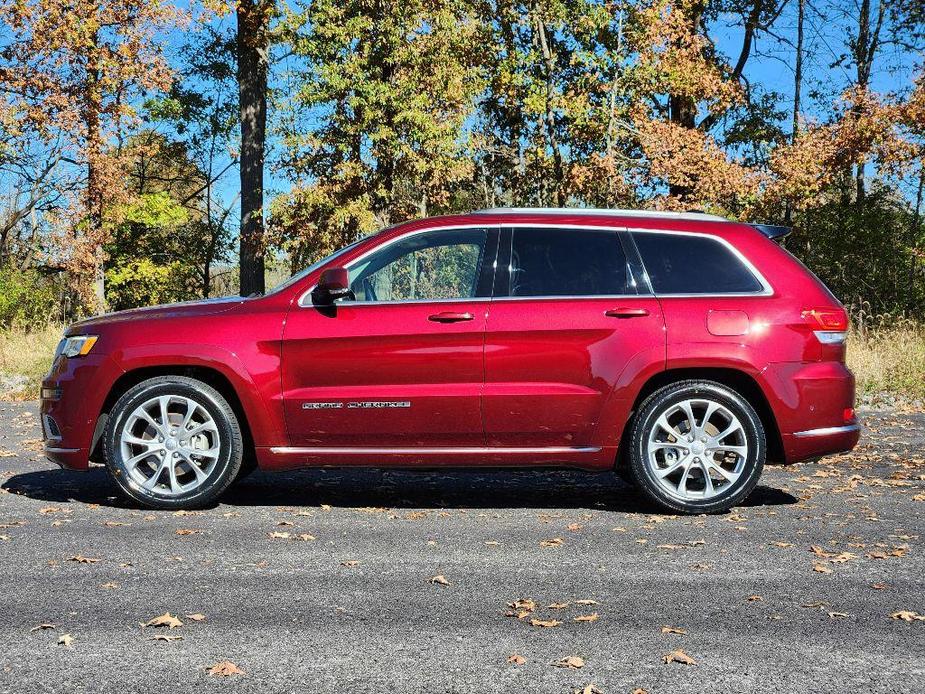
120	123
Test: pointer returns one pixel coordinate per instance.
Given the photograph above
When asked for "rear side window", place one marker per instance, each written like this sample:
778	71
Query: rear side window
567	262
688	264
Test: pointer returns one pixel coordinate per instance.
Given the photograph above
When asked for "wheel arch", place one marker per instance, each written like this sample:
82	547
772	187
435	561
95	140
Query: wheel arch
741	382
208	375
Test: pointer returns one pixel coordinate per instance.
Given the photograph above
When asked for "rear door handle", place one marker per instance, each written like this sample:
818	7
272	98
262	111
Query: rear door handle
450	317
625	312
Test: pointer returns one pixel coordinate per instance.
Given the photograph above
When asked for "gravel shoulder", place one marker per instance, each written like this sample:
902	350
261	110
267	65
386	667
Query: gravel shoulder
320	580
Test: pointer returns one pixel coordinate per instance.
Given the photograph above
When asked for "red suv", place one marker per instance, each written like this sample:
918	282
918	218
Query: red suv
682	350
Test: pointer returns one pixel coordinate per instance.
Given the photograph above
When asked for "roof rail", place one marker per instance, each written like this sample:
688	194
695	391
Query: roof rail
601	212
773	232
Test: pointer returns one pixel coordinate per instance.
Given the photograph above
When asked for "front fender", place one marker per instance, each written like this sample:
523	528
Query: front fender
257	392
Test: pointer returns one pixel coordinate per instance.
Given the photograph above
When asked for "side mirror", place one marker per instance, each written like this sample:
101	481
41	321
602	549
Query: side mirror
333	286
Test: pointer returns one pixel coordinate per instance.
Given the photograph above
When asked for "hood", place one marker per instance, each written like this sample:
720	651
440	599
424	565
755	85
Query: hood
202	307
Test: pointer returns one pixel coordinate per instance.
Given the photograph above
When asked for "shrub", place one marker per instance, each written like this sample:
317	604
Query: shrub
27	298
141	282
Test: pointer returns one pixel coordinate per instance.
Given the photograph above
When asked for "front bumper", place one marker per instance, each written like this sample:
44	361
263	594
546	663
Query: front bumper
73	395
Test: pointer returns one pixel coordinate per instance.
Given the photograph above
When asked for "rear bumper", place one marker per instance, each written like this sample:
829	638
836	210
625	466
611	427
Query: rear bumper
813	443
814	406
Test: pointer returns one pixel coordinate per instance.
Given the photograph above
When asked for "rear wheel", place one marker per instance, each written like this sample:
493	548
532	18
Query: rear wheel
697	447
173	442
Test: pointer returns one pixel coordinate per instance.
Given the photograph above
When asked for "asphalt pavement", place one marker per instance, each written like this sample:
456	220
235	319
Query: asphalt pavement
549	581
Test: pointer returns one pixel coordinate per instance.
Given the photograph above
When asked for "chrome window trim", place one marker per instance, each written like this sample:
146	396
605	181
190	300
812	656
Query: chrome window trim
400	237
766	291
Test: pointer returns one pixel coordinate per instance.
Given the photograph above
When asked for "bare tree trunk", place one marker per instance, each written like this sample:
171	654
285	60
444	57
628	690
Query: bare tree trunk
681	108
797	88
252	47
549	59
94	202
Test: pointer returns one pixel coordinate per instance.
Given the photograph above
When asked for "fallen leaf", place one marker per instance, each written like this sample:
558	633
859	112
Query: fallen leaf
42	627
439	580
521	608
350	563
552	542
754	598
573	527
587	617
545	623
275	535
109	585
573	662
305	537
224	668
822	569
782	544
908	616
164	620
114	524
586	602
678	656
592	689
879	586
80	559
195	617
65	640
188	531
673	630
516	659
492	543
838	615
166	637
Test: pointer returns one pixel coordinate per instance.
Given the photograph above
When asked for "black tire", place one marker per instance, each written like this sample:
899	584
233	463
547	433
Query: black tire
228	462
730	493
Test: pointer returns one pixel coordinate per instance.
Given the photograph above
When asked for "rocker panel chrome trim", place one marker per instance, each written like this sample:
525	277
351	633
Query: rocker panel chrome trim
297	450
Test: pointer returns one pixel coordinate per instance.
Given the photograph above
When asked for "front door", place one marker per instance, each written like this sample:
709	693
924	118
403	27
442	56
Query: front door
402	364
567	322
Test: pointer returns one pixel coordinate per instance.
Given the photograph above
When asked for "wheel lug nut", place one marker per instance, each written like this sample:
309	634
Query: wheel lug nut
696	460
703	439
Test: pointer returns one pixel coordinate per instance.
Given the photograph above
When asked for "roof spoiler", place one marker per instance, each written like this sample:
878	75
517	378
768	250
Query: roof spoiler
773	232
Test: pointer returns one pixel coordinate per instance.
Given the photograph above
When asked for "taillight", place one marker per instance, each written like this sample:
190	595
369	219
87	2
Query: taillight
830	325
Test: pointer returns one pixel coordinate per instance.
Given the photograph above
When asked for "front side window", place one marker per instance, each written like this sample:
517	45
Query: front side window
428	266
567	262
689	264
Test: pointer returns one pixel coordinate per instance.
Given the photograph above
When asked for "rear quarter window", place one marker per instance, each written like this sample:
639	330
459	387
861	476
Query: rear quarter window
690	264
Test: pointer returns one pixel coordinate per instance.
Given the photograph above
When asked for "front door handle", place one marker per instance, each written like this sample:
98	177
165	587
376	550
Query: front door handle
625	312
450	317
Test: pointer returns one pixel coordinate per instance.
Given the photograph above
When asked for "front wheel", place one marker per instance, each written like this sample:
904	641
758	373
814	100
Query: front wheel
173	442
697	447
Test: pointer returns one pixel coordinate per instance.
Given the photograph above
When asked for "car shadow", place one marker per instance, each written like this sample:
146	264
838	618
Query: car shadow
403	489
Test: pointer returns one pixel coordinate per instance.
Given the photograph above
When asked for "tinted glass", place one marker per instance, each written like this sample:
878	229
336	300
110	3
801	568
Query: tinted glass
567	262
434	265
685	264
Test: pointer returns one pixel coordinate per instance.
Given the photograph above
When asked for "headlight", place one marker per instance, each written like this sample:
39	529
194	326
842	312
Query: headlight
76	346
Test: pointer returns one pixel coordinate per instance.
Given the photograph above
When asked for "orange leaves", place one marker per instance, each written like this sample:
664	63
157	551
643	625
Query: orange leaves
678	656
164	620
545	623
224	668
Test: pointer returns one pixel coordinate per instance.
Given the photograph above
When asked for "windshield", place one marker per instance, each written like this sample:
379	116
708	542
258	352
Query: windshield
314	266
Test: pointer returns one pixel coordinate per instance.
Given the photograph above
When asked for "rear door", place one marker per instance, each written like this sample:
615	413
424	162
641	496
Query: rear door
401	365
569	318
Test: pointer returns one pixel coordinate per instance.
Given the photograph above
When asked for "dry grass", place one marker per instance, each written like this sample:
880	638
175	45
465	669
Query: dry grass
887	356
24	358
